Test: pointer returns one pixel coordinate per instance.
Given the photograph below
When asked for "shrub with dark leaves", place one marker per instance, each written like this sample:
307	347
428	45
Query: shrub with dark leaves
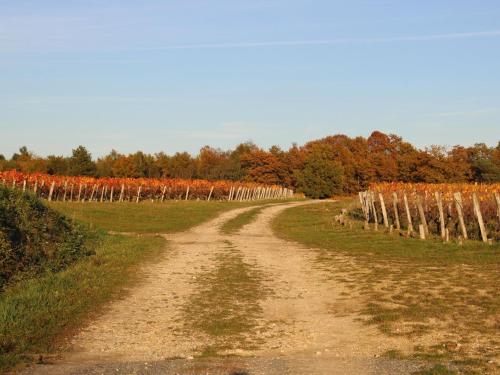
34	238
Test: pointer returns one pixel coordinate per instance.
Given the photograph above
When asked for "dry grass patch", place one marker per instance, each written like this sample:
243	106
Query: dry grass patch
226	307
442	296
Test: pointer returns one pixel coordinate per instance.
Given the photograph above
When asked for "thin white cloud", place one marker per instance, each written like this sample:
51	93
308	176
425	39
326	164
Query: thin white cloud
473	112
87	99
327	42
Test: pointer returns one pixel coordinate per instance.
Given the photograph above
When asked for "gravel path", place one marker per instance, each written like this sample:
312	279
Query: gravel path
300	330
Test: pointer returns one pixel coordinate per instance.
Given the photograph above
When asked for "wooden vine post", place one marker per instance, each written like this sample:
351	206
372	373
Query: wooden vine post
439	202
111	193
93	192
479	216
408	214
459	206
138	194
497	199
122	191
384	211
163	191
210	194
51	191
396	212
84	192
65	190
421	230
361	201
366	207
374	209
421	213
187	193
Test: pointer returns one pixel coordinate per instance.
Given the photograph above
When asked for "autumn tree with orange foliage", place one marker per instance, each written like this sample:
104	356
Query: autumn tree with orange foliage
362	161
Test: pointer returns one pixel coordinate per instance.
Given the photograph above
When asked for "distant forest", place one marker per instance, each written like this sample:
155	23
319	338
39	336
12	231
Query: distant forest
333	165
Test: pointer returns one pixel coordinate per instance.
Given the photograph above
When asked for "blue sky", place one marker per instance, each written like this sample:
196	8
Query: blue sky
177	75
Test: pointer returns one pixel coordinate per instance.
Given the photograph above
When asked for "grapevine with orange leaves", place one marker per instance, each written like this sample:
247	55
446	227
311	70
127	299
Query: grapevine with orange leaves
488	197
82	188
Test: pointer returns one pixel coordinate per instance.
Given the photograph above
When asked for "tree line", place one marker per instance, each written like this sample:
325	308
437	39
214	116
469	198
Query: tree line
330	166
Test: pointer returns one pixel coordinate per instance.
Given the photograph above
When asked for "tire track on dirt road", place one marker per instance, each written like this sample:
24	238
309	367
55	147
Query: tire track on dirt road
300	318
298	330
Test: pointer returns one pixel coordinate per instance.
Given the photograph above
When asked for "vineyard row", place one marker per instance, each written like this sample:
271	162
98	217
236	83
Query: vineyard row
87	189
473	213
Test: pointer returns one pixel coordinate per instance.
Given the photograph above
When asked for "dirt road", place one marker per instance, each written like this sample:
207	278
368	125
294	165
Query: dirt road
247	303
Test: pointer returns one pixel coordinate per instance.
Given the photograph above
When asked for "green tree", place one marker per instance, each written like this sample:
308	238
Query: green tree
485	167
105	165
162	161
322	176
24	153
57	165
212	163
182	165
3	163
485	170
81	164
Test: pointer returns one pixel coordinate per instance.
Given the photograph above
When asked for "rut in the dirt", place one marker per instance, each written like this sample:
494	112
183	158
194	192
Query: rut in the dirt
266	302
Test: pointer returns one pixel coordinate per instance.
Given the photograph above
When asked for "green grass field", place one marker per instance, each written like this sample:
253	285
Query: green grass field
409	287
36	313
226	305
147	217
